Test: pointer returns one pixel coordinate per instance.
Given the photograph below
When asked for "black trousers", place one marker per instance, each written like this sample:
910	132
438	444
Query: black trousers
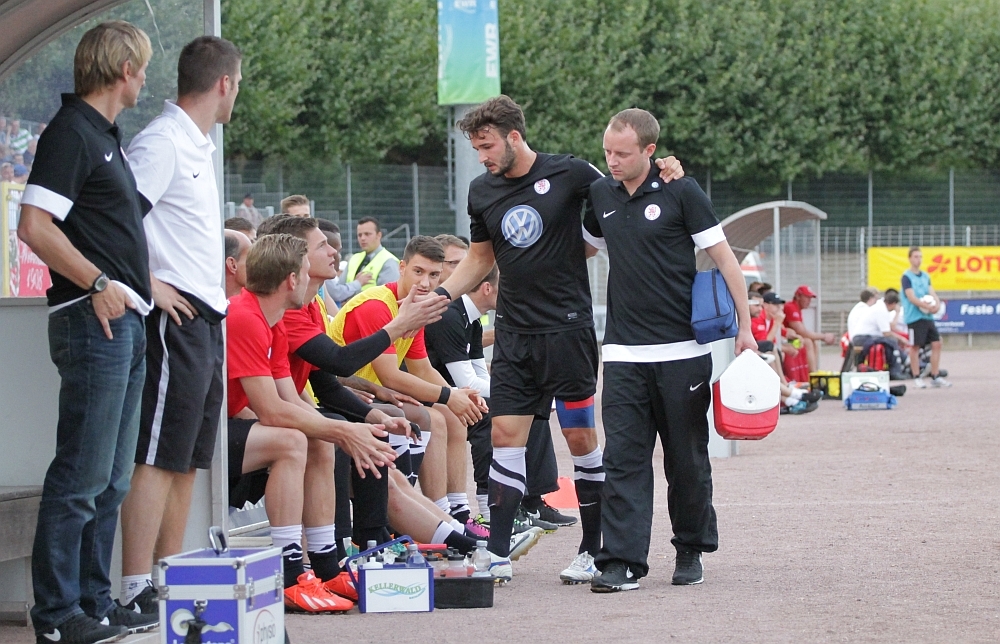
542	471
639	402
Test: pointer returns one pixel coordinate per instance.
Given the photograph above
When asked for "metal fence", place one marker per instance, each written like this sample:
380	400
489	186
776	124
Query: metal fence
960	207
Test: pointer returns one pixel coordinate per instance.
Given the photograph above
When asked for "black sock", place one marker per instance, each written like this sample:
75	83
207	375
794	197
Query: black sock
460	542
342	484
324	564
461	516
588	493
292	557
371	506
531	502
504	501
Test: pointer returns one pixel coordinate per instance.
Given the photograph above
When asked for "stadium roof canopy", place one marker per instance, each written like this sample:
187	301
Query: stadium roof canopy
29	25
746	229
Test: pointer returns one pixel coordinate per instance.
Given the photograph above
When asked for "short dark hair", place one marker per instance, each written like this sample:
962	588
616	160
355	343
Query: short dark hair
892	291
425	247
370	220
764	288
327	226
867	294
913	249
203	61
500	113
644	124
289	225
491	278
891	298
240	224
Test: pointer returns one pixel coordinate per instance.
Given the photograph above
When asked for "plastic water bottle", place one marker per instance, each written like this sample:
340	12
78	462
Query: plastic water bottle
413	557
481	560
375	559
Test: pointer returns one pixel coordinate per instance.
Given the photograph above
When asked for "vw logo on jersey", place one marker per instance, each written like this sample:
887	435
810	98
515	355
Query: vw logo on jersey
542	186
522	226
652	211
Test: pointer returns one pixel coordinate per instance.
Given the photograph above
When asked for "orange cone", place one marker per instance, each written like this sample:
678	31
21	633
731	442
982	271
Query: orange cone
565	497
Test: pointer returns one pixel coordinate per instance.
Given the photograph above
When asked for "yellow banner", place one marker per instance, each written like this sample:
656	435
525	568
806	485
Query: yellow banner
952	268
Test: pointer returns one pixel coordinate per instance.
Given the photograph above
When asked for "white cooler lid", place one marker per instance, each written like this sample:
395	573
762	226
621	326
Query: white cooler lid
749	385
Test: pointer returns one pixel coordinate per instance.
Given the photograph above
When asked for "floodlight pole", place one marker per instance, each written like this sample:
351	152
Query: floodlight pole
777	250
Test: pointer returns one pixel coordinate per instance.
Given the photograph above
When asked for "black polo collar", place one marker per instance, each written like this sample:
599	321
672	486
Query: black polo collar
96	118
653	183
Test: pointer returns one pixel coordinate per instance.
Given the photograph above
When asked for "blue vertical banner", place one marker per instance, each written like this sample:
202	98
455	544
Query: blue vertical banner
468	51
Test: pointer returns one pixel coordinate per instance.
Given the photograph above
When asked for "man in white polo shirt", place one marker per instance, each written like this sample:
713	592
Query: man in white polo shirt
182	398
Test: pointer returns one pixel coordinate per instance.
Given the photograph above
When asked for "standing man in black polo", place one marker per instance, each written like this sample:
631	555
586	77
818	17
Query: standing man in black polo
82	215
172	159
526	215
656	376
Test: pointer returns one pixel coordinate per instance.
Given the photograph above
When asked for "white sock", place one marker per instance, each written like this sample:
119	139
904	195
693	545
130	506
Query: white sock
132	585
443	504
441	533
286	535
321	538
796	393
458	499
459	528
512	460
483	501
790	401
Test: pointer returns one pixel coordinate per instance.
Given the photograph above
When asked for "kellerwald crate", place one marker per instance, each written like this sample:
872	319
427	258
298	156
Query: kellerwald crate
394	588
241	591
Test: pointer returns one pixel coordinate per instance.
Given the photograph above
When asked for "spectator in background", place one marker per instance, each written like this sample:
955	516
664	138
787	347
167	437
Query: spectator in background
381	265
764	288
793	319
296	205
29	154
247	211
861	324
236	247
242	225
919	307
21	173
896	321
7	172
5	154
4	134
19	137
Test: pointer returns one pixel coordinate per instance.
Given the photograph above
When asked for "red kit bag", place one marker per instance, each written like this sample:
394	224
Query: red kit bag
747	398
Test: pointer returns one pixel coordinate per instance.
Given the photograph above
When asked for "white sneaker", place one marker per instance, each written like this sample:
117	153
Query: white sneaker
938	381
501	568
522	542
919	383
581	571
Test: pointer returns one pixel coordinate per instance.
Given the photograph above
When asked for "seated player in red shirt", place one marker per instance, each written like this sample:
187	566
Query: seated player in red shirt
315	358
793	319
279	444
452	409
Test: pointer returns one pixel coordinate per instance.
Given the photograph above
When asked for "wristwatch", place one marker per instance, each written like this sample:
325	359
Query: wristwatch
100	283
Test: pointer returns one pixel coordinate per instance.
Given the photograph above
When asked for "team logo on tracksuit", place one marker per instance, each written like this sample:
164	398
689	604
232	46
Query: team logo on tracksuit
522	226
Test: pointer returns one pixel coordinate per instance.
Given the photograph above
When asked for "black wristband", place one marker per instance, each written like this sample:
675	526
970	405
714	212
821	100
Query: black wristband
440	291
445	395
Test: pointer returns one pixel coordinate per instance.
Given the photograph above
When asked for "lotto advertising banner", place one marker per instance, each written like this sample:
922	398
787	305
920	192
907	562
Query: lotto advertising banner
24	275
968	316
952	268
468	51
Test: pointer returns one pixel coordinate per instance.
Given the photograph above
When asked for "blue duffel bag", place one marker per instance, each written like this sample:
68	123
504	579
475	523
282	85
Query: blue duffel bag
713	311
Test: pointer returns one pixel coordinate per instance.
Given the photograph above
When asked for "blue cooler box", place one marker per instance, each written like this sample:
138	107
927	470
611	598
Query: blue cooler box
242	591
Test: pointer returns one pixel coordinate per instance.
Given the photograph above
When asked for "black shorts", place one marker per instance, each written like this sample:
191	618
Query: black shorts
529	370
765	346
243	487
183	393
924	331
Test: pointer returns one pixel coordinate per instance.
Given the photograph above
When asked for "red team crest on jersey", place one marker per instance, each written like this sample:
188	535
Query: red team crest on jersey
542	186
652	211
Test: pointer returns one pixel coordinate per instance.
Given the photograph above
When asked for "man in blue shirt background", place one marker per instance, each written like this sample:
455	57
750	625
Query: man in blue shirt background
920	303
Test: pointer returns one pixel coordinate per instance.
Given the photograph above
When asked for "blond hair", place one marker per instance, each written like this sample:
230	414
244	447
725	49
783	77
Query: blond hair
102	54
447	240
294	200
271	259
